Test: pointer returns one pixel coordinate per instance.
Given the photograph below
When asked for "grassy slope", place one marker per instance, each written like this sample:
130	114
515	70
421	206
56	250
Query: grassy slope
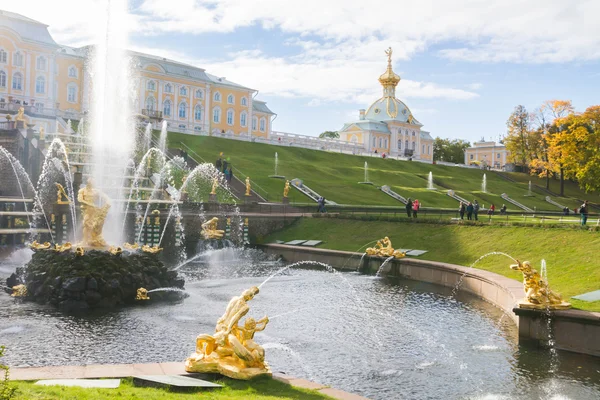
264	389
570	254
336	176
572	190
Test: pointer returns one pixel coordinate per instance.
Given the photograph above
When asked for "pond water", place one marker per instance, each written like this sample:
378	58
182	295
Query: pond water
378	338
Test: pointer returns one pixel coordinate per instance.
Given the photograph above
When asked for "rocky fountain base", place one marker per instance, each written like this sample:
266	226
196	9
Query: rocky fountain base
95	279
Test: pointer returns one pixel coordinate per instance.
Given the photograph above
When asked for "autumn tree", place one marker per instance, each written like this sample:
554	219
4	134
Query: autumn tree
518	140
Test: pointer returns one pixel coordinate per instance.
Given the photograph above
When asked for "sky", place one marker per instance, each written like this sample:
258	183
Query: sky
464	64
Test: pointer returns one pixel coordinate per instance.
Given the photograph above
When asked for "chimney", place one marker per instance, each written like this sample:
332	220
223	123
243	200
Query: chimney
361	114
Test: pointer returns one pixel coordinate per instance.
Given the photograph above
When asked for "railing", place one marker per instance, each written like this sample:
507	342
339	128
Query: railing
516	203
8	125
152	113
387	190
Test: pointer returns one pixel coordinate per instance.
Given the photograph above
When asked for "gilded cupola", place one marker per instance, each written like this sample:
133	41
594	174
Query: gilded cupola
389	80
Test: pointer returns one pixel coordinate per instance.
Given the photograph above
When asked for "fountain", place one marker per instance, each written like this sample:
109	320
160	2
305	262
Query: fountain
529	191
383	248
162	140
430	181
276	175
366	181
484	184
537	293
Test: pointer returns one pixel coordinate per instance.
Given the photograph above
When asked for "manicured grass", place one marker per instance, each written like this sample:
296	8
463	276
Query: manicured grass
261	389
571	255
336	175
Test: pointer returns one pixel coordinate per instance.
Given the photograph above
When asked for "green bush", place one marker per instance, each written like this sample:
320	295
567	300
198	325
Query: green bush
6	389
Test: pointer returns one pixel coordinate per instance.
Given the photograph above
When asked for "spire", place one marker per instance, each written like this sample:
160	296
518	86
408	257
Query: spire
389	80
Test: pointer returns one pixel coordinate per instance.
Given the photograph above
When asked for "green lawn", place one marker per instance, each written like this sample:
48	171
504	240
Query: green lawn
336	176
570	254
262	389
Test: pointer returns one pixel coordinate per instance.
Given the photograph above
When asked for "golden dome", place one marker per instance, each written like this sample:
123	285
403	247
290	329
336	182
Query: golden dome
389	78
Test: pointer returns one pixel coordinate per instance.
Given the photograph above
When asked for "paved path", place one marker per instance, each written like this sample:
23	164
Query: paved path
169	368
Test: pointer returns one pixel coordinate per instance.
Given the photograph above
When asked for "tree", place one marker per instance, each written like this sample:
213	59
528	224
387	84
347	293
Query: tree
449	150
329	135
519	139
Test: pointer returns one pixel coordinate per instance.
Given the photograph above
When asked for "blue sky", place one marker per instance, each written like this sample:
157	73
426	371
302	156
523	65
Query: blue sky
464	64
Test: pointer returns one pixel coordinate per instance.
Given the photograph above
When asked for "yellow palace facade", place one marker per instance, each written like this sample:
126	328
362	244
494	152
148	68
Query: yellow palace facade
50	82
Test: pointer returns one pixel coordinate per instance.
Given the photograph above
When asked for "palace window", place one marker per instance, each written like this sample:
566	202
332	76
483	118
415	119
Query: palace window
406	145
197	128
72	72
168	88
17	81
182	126
3	56
263	124
399	144
230	117
414	145
2	79
423	149
216	115
150	103
428	149
199	94
374	142
230	99
151	86
217	96
380	142
182	110
41	63
254	123
40	85
244	101
18	59
183	91
498	155
39	106
72	93
198	112
243	119
167	108
413	133
470	156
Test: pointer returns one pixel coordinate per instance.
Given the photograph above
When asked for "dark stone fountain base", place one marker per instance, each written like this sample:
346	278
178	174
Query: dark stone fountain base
97	279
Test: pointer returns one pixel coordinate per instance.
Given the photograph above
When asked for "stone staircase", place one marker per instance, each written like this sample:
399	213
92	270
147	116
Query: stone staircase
314	196
516	203
387	190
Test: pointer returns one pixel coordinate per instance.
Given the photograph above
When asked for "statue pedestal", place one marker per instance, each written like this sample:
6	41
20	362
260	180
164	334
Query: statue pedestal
247	200
285	200
212	198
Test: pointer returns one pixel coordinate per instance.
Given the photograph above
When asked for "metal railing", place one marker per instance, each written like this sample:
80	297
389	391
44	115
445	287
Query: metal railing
152	113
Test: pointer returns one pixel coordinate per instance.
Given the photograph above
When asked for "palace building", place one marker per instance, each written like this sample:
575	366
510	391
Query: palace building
488	154
50	82
388	126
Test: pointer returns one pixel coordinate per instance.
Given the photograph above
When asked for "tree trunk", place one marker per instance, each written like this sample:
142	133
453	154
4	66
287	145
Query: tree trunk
562	182
547	180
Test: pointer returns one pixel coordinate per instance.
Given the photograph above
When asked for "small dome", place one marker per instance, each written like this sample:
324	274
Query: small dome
390	108
389	78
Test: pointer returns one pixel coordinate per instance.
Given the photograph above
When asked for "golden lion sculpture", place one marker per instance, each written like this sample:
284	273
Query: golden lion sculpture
537	293
384	248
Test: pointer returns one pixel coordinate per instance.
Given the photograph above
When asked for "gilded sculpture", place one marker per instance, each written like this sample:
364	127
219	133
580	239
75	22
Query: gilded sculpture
231	350
142	294
21	115
130	246
93	215
384	248
215	185
286	189
62	248
40	246
248	188
115	250
19	291
80	251
42	133
61	195
210	229
152	250
537	292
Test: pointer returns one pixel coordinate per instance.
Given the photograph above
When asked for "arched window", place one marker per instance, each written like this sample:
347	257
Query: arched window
217	96
399	144
413	133
385	143
18	59
2	79
244	119
183	91
198	128
230	117
354	139
263	124
216	115
72	72
198	112
380	142
151	86
414	145
374	142
41	63
199	94
167	108
406	145
429	149
150	103
168	88
3	56
182	110
423	149
244	101
182	126
72	93
230	99
254	123
40	85
17	82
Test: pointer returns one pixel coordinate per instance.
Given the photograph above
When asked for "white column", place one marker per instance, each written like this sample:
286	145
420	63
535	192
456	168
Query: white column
249	118
159	100
26	86
176	105
207	114
52	70
404	141
191	109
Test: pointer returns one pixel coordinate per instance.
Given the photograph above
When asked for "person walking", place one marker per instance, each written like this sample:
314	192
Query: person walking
415	208
469	211
475	209
228	174
225	164
409	205
461	210
503	209
219	164
583	210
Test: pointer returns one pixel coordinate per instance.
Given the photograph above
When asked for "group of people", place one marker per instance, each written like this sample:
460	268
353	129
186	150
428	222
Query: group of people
225	167
412	207
472	210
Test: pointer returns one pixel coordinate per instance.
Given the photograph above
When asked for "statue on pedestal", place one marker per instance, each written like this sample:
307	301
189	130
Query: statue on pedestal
384	248
93	215
537	293
286	189
210	229
214	186
248	188
21	115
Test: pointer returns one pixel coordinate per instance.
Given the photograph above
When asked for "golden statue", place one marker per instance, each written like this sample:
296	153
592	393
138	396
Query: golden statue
37	246
19	291
388	53
142	294
152	250
210	229
537	293
248	186
384	248
42	133
215	185
286	189
61	195
79	251
115	250
93	215
21	115
129	246
231	350
65	247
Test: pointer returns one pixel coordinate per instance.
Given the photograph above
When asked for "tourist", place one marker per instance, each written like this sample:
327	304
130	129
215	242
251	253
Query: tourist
322	205
461	210
409	205
491	210
219	164
415	208
225	163
503	209
475	209
375	151
383	155
583	210
566	211
228	174
470	211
